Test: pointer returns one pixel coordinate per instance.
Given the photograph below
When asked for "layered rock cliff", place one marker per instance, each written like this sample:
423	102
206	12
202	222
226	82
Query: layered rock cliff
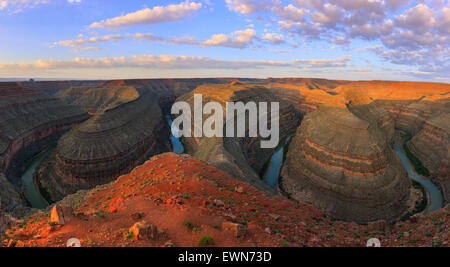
128	127
343	164
241	157
432	146
30	121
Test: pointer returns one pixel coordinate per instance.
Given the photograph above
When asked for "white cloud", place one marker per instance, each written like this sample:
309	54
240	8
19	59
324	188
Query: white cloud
172	62
248	6
92	40
16	6
290	12
237	39
420	17
274	38
155	15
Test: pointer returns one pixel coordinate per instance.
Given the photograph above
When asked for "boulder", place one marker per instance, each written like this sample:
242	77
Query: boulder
61	214
416	218
144	230
219	203
238	230
378	226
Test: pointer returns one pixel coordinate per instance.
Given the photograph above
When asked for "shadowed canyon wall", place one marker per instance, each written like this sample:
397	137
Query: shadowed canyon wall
127	128
343	164
29	122
243	158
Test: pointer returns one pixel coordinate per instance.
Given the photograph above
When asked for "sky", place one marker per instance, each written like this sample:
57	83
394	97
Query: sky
335	39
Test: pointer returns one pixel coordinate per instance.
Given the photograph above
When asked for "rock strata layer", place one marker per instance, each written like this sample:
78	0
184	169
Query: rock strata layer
126	129
342	163
30	120
243	158
432	146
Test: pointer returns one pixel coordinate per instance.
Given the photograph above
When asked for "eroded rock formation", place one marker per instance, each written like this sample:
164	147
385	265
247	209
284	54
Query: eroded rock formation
241	157
432	146
343	164
126	129
30	121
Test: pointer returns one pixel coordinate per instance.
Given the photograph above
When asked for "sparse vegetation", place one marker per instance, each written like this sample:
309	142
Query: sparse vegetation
188	224
206	241
100	214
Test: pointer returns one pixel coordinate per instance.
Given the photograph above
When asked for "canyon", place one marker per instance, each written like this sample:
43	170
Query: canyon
242	157
29	121
337	159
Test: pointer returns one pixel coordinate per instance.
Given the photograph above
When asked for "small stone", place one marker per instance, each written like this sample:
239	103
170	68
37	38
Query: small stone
416	218
238	230
11	243
116	204
447	207
275	216
239	189
144	230
219	203
378	226
267	230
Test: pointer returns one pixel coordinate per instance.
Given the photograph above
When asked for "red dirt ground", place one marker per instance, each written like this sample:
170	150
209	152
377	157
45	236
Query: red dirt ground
172	191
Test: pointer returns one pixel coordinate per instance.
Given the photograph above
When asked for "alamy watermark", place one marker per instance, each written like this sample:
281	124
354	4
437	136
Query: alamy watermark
236	122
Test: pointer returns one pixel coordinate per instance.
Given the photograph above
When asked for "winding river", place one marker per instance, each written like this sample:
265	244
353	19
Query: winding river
31	191
273	173
176	143
433	191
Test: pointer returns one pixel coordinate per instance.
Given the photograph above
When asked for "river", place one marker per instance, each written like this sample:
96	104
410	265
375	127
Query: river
176	143
433	191
276	162
35	198
31	191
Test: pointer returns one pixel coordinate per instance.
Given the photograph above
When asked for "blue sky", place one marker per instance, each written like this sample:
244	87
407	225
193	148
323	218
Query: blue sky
335	39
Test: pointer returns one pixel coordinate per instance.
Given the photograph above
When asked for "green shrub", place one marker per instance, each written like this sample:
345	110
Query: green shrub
206	241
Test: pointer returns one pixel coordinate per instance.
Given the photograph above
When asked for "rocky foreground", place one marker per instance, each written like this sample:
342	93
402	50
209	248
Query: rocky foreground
180	201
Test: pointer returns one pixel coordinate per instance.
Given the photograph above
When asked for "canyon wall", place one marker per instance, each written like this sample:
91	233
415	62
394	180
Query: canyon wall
343	163
243	158
432	146
29	121
127	128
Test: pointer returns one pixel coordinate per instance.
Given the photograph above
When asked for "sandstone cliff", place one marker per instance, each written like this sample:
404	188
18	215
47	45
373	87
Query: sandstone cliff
29	120
128	127
343	164
432	146
241	157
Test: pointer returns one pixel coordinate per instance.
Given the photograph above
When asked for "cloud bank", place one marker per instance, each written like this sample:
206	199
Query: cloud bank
155	15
